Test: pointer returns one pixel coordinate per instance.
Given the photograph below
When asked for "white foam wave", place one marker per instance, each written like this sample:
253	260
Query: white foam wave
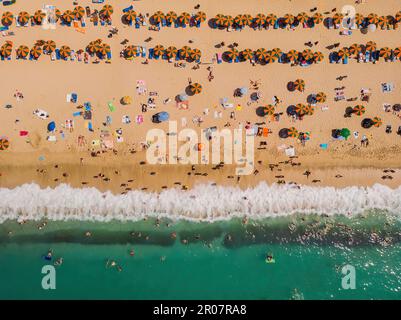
203	203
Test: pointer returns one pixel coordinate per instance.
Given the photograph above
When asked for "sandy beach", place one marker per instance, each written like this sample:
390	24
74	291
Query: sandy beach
45	84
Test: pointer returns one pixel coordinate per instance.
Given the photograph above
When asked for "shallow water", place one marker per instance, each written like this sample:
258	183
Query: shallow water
223	260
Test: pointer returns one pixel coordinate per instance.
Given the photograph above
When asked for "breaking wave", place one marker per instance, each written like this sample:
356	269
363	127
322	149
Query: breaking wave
203	203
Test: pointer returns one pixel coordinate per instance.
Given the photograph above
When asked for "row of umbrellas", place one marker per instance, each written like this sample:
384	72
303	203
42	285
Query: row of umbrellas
261	19
67	16
361	20
171	51
172	17
273	55
371	46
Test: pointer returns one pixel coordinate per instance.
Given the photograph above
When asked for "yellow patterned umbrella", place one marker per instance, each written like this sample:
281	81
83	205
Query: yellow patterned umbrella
307	54
383	22
38	16
171	16
301	109
377	122
238	20
49	46
233	54
271	19
359	18
289	18
247	54
385	52
22	51
270	57
158	17
200	16
277	52
260	19
247	19
220	19
310	110
261	54
185	52
130	51
302	17
292	55
23	18
342	53
359	110
184	18
6	50
107	11
196	88
318	56
93	47
371	46
317	18
229	21
196	54
292	132
354	48
130	16
171	52
65	52
68	16
268	110
299	85
104	49
7	19
321	97
79	12
158	50
373	18
4	143
36	51
338	18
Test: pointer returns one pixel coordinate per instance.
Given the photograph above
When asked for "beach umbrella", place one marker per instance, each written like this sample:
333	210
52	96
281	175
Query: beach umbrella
229	21
398	16
301	109
220	19
283	133
49	46
23	18
292	132
130	51
270	57
317	18
292	55
289	18
377	122
271	19
171	16
4	143
7	19
22	51
126	100
359	19
68	16
385	52
38	16
195	54
58	14
345	133
354	48
371	46
232	54
93	47
307	54
359	110
260	19
277	52
383	22
107	11
397	52
247	19
200	16
247	54
171	51
342	53
196	88
268	110
238	20
310	110
373	18
51	126
318	56
6	50
65	52
79	12
158	17
36	51
261	54
130	16
338	18
302	17
321	97
158	50
185	52
299	85
184	18
104	49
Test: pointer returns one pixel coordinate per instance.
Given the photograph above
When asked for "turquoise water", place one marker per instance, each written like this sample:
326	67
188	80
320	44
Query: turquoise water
224	260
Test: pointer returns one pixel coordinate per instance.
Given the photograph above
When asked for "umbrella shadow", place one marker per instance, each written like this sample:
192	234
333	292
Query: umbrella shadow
188	91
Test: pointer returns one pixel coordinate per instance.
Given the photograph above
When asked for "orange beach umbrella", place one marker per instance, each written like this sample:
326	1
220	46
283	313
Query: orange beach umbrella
22	51
65	51
196	88
7	19
23	18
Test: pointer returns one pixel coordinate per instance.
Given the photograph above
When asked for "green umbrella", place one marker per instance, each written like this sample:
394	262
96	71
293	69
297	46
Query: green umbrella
345	133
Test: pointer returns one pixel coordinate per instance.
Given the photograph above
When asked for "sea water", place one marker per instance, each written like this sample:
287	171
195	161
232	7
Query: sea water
178	259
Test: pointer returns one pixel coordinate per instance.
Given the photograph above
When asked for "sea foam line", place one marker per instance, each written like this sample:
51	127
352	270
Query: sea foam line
202	203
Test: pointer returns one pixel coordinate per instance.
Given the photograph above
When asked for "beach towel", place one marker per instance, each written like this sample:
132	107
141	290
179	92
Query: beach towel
126	119
23	133
290	152
139	119
324	146
111	106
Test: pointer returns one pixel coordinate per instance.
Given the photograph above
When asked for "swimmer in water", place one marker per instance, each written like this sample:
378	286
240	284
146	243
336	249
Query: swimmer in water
59	262
132	253
49	255
269	258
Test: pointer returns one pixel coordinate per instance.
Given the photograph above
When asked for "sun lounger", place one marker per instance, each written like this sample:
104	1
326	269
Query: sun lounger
345	60
111	106
109	55
219	58
137	25
143	52
151	54
387	87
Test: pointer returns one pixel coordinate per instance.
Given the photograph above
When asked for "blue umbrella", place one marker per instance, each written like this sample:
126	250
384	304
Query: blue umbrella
163	116
51	126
